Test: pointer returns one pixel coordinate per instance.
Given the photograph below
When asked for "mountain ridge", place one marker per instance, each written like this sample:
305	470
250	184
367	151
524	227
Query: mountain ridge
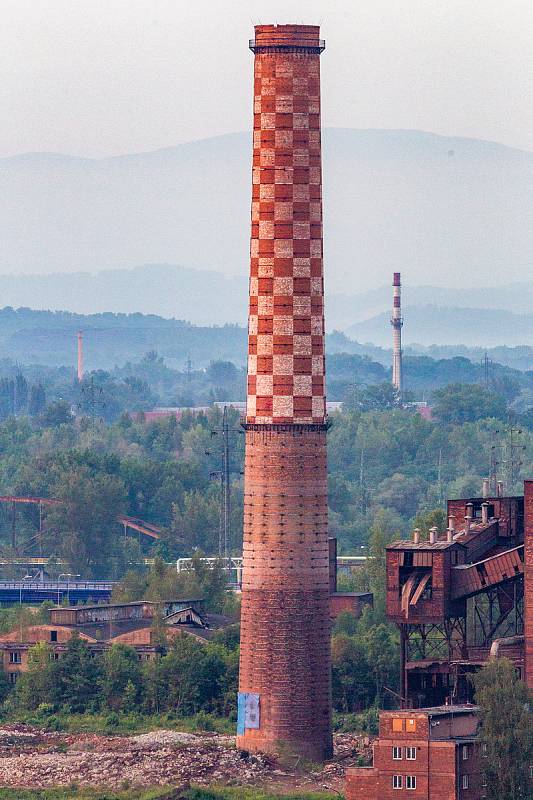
455	209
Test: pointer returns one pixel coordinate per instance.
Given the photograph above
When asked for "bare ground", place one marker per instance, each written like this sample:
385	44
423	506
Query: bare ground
32	758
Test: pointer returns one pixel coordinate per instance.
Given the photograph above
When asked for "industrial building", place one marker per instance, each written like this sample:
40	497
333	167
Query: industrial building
101	626
284	681
431	752
459	599
459	596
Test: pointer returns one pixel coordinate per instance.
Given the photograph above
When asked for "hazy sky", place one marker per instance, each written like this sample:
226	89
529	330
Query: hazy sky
102	77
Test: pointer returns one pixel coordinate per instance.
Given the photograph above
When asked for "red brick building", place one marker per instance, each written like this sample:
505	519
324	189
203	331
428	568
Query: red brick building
424	754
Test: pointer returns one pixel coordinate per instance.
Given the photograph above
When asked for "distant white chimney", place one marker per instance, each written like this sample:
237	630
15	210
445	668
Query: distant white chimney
433	535
416	536
486	487
485	513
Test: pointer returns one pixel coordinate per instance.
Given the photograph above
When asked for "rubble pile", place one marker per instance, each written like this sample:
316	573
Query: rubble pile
33	758
157	759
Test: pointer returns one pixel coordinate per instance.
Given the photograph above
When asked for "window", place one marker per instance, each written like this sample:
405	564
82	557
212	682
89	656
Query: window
465	781
397	753
410	725
397	724
13	677
410	753
397	782
53	636
410	782
465	752
15	658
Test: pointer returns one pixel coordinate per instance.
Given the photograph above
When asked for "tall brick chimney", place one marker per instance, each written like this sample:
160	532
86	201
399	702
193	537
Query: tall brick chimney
284	684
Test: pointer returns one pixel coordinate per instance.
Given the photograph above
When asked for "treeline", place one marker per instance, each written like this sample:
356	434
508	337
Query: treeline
187	677
157	381
386	464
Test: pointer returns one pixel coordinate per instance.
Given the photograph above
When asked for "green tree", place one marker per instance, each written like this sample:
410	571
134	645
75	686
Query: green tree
57	413
120	669
436	518
87	519
467	402
506	730
76	677
37	684
373	576
352	679
21	394
37	400
383	656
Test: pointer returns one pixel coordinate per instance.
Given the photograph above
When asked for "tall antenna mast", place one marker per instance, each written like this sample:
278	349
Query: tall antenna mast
397	322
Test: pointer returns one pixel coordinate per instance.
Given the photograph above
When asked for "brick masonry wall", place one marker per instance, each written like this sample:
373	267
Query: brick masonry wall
528	581
286	316
434	769
362	784
285	624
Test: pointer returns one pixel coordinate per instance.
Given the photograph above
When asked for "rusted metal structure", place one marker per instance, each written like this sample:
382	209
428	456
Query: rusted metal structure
284	684
458	598
128	523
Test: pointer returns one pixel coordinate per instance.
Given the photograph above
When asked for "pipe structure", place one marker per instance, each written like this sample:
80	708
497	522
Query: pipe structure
397	323
285	662
80	356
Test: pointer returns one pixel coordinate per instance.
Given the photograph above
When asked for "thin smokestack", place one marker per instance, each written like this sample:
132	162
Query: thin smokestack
80	356
397	322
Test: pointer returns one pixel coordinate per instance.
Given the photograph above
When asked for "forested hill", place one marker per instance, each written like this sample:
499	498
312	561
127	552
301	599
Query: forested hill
49	338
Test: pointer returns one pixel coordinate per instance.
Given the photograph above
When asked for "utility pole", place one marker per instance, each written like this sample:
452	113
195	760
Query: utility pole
514	461
92	399
362	487
225	480
224	475
494	463
510	458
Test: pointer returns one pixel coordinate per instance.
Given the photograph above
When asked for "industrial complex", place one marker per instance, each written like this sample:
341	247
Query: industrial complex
460	597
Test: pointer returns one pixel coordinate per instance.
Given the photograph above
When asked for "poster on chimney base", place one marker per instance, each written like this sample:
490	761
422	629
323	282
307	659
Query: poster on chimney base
251	717
247	712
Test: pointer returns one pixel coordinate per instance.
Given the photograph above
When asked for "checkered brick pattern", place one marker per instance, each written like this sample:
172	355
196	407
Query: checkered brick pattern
286	322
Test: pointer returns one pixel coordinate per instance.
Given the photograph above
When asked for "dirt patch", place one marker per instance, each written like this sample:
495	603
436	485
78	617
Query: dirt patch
32	758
